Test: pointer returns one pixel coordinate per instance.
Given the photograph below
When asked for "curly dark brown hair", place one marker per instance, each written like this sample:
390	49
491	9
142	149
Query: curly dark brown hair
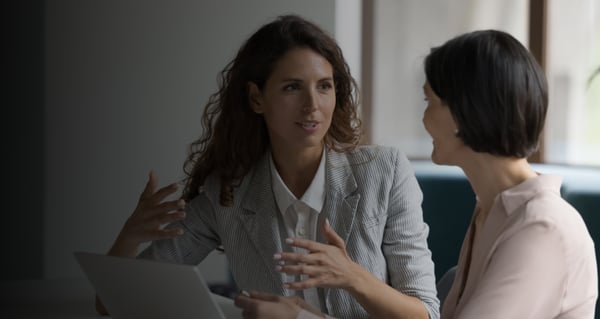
234	138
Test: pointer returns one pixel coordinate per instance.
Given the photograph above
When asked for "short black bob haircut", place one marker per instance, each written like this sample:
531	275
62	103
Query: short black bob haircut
495	89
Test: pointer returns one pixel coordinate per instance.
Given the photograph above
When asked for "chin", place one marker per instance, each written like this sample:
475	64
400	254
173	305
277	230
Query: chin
436	159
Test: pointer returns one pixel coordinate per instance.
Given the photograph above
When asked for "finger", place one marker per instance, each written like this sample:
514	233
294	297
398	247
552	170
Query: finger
162	193
296	257
167	218
307	244
142	222
165	208
332	237
243	302
247	306
264	296
304	269
150	186
303	284
300	302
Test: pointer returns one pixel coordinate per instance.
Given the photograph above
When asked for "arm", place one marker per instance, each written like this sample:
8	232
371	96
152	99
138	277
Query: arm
404	245
525	278
145	222
330	266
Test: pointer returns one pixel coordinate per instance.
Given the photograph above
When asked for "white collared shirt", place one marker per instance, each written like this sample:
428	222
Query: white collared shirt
300	216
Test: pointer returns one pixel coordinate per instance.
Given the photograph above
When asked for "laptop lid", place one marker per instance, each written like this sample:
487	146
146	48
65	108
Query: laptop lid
137	288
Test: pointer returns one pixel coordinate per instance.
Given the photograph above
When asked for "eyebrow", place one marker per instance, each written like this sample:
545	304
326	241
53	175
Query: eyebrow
328	78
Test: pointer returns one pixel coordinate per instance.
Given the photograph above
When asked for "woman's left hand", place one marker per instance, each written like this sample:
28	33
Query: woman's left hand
327	265
267	306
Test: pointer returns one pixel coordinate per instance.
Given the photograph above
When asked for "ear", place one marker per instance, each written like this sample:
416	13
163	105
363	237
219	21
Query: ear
254	97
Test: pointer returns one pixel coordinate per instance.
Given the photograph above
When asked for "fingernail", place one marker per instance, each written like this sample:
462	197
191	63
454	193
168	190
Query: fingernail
278	268
289	241
181	203
327	223
277	256
245	293
179	231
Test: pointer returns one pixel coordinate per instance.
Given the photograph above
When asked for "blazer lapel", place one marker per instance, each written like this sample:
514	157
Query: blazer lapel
341	197
260	219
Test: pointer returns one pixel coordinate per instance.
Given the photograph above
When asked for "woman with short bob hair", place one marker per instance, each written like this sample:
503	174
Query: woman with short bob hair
527	252
495	90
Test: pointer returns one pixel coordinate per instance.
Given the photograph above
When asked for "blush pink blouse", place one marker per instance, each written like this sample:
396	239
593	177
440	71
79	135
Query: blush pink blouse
532	258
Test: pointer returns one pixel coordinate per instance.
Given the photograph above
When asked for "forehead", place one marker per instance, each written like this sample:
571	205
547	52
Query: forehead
302	62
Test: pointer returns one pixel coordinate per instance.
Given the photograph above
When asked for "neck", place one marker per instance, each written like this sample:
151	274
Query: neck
297	168
490	175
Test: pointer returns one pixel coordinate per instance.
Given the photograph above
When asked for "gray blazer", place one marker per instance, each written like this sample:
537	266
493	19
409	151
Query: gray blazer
372	201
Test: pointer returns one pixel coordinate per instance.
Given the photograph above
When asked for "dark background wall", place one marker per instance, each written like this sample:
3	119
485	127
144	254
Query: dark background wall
99	93
23	155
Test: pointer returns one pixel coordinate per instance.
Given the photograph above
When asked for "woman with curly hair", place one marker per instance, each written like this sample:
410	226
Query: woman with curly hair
279	157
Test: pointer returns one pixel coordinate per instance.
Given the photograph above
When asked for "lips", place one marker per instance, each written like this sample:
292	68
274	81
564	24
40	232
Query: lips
308	124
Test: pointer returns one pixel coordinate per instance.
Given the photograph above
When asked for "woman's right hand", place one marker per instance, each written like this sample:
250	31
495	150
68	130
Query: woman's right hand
150	215
258	305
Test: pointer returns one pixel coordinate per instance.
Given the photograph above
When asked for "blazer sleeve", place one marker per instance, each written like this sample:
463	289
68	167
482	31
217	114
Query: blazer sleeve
199	236
408	257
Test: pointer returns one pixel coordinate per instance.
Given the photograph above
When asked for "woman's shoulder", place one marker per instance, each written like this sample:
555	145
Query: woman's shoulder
546	203
547	210
369	154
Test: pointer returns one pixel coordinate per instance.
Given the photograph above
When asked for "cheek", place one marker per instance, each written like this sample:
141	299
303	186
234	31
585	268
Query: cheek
328	103
426	120
328	106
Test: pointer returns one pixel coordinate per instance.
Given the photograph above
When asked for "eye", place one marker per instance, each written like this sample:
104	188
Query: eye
324	86
291	87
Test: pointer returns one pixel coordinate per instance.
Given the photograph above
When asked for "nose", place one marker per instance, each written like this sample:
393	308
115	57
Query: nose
311	101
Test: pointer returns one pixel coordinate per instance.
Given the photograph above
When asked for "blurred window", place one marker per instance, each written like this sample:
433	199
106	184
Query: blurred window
403	31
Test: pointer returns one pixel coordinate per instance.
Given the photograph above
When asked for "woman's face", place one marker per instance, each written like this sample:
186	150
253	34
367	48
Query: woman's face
439	123
297	101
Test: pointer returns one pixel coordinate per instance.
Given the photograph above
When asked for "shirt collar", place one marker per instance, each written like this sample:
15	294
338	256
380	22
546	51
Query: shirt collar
518	195
314	196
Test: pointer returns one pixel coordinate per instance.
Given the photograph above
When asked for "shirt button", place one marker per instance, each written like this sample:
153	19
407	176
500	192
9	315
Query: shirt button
301	232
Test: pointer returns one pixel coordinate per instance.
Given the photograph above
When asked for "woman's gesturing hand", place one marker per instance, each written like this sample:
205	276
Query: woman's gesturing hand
150	215
327	265
267	306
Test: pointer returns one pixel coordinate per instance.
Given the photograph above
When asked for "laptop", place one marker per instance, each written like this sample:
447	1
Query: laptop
133	288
